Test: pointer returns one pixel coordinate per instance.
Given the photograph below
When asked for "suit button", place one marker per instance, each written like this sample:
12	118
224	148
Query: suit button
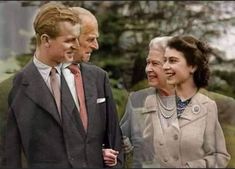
71	158
84	165
175	137
161	143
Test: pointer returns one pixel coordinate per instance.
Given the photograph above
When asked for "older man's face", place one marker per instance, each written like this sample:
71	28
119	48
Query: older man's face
87	41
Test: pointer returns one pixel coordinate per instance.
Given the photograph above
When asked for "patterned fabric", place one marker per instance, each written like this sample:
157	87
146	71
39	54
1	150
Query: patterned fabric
181	105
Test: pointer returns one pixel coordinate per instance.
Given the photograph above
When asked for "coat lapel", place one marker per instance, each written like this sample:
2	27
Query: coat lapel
153	127
37	90
150	107
193	111
90	90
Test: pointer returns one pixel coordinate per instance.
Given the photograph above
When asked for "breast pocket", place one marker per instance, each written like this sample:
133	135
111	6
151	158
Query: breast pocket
99	118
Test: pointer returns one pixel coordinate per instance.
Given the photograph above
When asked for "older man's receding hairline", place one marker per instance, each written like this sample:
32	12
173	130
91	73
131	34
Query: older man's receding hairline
82	12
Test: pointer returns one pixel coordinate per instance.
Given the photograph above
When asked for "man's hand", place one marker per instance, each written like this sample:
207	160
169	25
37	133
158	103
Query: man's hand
110	157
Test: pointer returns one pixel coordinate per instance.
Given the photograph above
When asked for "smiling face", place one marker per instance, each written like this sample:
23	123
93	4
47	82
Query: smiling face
176	68
155	73
87	39
64	46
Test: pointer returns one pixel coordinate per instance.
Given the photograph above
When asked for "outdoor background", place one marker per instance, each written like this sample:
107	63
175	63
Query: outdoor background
126	28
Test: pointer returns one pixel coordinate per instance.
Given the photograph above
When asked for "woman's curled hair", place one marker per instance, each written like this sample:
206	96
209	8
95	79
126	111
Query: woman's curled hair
196	54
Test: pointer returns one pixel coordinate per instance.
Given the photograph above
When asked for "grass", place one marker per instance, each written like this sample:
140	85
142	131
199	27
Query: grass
229	133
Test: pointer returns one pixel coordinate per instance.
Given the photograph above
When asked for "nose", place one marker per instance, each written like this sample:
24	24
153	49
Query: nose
148	68
77	43
166	65
95	45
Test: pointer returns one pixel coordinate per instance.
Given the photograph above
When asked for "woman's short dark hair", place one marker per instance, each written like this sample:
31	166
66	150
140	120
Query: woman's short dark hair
196	53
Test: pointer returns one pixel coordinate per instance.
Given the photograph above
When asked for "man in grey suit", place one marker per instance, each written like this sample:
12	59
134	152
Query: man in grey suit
53	138
35	120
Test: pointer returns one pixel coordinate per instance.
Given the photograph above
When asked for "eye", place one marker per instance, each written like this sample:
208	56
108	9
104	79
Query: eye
172	60
164	60
90	40
157	63
70	40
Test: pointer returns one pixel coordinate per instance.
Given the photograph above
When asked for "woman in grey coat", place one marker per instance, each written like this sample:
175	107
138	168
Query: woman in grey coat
133	123
193	138
168	130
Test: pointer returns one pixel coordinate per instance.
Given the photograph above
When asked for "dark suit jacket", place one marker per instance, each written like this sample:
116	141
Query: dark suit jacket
35	127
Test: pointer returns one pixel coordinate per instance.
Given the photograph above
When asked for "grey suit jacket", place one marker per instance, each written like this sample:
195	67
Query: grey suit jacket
48	141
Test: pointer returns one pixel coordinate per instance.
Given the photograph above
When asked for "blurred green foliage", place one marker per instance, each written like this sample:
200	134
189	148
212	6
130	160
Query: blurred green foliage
225	83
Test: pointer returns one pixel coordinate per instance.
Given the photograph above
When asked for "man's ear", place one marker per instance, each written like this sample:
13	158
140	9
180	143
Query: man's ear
45	40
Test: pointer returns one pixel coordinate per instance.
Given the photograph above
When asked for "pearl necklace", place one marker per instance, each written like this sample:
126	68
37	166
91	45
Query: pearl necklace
166	112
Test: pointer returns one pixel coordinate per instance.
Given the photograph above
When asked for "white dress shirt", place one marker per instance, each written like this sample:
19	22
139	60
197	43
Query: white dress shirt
45	71
69	77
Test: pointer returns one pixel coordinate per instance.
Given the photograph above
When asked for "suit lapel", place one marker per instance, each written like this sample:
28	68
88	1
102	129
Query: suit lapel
69	109
90	90
66	97
37	90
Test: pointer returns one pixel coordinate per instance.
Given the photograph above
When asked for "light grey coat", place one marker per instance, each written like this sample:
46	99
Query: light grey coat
196	139
132	125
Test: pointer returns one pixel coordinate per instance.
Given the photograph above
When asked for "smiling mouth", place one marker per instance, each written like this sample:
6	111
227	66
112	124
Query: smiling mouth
152	77
169	75
88	53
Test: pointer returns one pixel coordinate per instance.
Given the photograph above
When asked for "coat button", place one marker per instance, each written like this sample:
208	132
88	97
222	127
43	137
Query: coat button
161	143
165	160
176	157
175	137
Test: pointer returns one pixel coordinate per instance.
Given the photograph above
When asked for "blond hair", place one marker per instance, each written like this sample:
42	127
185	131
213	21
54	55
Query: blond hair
48	17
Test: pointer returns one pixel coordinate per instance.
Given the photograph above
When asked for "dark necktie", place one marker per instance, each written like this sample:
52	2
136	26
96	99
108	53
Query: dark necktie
80	93
55	88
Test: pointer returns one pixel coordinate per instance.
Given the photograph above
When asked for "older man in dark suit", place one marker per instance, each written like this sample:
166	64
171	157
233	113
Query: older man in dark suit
97	126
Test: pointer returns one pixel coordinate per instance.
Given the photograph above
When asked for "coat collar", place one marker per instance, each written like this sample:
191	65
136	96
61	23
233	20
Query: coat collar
194	110
152	106
90	90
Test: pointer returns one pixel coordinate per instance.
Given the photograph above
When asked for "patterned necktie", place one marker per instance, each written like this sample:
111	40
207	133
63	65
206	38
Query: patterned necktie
55	88
80	93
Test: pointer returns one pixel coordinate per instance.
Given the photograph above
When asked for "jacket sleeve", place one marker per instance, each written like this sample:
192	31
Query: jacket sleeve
216	155
114	134
125	120
12	142
130	125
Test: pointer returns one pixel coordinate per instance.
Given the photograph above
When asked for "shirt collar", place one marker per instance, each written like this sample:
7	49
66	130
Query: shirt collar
66	65
45	68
